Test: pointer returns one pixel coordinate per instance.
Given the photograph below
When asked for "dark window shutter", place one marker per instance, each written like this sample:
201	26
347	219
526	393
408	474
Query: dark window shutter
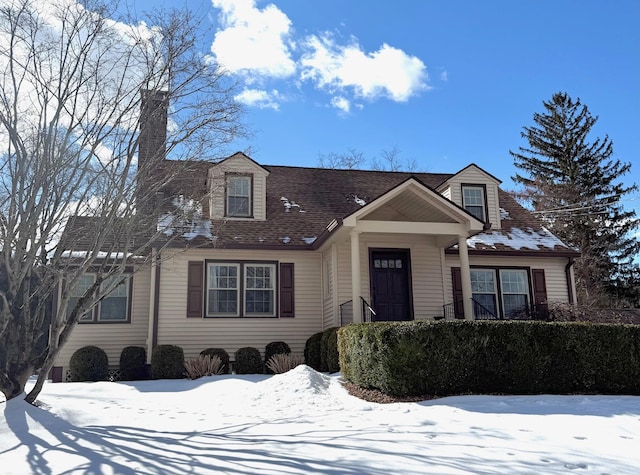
539	292
195	285
458	302
287	308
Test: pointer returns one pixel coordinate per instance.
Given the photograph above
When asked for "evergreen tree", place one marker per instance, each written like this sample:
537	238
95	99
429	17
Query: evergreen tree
574	185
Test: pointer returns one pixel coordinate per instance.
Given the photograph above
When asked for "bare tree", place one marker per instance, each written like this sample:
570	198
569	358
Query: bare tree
71	108
391	161
350	160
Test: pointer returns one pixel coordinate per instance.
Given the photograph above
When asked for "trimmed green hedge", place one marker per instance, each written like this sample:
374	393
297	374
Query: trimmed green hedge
167	362
445	358
220	353
329	350
89	363
312	355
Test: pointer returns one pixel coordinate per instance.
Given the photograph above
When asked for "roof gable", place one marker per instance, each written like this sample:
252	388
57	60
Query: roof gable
241	161
412	200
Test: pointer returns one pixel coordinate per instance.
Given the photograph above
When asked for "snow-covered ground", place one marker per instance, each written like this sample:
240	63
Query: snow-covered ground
305	422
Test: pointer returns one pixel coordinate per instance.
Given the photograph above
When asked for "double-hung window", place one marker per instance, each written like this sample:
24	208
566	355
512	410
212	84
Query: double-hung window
515	291
512	292
484	291
238	196
241	289
473	201
113	307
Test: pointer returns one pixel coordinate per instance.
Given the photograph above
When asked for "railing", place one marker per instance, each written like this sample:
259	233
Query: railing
455	310
346	312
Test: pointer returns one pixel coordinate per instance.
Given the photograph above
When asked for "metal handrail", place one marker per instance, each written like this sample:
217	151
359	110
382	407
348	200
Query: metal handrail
346	311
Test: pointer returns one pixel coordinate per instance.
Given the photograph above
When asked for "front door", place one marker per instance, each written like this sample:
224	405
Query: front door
391	285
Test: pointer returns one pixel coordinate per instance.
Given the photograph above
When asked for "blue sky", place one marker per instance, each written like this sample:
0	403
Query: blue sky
446	83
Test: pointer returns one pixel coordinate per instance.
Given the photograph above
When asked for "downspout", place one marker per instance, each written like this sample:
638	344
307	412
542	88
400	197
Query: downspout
154	297
571	283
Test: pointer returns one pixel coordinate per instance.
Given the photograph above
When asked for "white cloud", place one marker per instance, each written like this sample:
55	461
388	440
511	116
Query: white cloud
388	72
259	45
341	103
252	40
444	76
259	98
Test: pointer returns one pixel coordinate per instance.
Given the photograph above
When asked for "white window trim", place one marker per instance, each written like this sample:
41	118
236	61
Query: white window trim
499	291
495	287
249	196
246	289
527	292
241	289
483	205
236	288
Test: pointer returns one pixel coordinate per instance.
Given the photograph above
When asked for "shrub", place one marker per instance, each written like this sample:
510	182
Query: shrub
248	361
133	363
275	348
203	365
445	358
329	350
89	363
167	362
283	362
312	355
220	353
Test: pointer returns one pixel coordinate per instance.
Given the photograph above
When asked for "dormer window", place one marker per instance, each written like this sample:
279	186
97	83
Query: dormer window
239	199
473	200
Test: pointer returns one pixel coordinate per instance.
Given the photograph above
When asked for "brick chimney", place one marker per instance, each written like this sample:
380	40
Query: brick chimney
153	127
152	144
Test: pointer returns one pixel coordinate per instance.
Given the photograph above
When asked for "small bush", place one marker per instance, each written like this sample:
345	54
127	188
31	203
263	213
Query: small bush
167	362
220	353
133	363
248	361
275	348
283	362
329	350
89	363
312	355
203	365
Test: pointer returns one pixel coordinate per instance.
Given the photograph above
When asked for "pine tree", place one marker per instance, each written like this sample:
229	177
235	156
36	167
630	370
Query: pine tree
574	185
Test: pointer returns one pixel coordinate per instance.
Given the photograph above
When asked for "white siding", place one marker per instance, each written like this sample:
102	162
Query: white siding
113	337
554	272
196	334
425	270
242	165
472	175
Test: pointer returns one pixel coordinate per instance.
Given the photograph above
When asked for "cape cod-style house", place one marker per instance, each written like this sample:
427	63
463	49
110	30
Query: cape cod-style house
280	252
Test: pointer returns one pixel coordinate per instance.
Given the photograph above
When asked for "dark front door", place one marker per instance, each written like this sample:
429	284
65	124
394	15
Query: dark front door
390	285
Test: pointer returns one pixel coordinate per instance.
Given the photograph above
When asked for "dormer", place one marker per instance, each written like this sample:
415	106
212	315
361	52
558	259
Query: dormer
475	190
238	189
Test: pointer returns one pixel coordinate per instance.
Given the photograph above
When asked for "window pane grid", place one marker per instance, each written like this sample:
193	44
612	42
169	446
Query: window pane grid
223	289
515	291
241	287
239	196
473	201
259	293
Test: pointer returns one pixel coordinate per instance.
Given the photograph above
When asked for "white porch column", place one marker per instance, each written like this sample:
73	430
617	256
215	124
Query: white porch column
465	276
355	277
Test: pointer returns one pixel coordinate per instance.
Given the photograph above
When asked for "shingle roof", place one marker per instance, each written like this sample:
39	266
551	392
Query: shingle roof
321	196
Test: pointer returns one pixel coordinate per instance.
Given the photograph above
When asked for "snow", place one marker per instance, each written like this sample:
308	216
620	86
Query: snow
285	240
504	214
188	221
359	201
304	422
288	204
309	240
517	239
99	254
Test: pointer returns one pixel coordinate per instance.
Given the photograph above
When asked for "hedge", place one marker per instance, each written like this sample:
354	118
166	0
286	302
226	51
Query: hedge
515	357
